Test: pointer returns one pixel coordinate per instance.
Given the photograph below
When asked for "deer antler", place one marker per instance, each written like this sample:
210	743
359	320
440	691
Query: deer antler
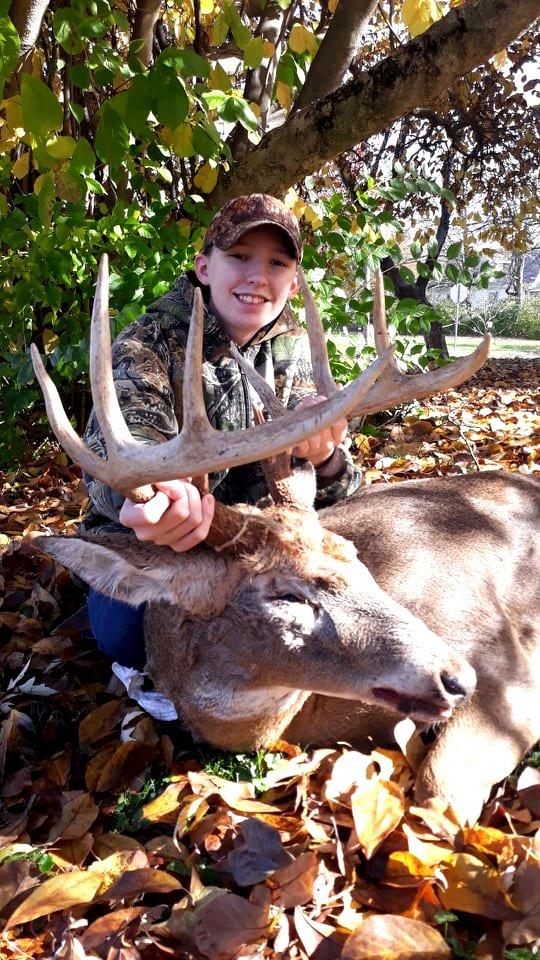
392	387
199	448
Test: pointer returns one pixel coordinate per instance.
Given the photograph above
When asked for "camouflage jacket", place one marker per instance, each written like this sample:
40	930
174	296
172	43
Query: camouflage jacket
148	363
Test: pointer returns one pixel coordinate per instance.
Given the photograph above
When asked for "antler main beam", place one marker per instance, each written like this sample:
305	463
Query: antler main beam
199	448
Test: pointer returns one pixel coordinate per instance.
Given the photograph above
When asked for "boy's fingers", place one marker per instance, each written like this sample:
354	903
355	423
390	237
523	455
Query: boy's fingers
201	532
173	488
138	515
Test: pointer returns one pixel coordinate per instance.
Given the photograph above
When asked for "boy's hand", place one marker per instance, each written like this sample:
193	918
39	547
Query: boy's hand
320	448
176	516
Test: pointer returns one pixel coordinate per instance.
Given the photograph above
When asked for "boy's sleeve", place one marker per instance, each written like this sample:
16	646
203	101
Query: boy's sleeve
339	477
141	365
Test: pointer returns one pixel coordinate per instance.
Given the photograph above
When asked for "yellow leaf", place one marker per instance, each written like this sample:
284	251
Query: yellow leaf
220	29
61	148
206	178
21	166
283	95
312	217
50	341
377	811
474	887
207	6
165	807
418	15
500	59
302	40
182	141
268	49
219	79
58	893
39	184
397	938
13	108
332	6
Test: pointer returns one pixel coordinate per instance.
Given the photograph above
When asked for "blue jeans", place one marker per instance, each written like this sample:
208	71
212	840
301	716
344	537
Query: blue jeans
118	629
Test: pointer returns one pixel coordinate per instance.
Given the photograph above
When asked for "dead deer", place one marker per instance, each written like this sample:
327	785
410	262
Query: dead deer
274	628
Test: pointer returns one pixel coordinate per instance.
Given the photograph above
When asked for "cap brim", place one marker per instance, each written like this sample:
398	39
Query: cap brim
233	235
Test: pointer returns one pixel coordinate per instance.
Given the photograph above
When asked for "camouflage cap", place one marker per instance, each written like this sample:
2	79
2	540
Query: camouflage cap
245	213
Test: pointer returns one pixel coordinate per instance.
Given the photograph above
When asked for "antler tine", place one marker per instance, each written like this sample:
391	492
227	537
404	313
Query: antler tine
59	420
107	408
322	375
194	409
394	387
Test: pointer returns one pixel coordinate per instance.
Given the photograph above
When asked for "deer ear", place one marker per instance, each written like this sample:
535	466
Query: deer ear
199	582
107	570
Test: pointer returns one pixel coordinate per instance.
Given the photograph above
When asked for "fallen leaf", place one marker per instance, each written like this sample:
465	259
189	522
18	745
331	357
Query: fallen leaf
377	810
474	887
257	854
58	893
387	937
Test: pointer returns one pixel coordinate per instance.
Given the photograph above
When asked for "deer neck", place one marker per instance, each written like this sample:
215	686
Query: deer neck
240	719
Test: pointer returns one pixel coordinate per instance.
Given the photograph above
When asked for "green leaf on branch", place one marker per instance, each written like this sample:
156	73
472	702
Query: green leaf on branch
241	34
112	137
9	49
254	53
186	62
67	30
84	158
41	111
454	250
138	104
170	101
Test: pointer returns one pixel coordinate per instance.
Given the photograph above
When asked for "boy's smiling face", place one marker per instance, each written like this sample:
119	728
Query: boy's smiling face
250	282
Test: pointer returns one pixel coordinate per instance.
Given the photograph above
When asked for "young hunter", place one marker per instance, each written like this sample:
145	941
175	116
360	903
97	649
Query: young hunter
247	272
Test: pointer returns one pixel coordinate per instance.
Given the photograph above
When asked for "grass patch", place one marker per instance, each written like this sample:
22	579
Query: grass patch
239	767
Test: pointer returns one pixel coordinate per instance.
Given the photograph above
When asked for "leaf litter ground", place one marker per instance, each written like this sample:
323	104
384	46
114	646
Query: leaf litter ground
119	839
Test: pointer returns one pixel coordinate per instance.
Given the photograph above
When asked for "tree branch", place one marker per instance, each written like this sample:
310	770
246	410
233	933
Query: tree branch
417	75
27	17
338	48
146	15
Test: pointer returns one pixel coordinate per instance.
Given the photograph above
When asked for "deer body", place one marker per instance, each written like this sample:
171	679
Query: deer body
275	627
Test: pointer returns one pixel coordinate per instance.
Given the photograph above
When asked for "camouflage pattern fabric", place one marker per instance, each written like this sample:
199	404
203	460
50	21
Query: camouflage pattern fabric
148	364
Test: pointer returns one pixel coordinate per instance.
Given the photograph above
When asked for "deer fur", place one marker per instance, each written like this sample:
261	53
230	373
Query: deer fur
298	640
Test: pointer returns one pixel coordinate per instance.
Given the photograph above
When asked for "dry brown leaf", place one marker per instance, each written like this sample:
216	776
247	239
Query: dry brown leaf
317	938
108	843
217	925
103	932
474	887
349	771
79	811
72	852
387	937
292	886
166	806
15	878
101	722
377	810
528	788
127	760
135	883
257	854
58	893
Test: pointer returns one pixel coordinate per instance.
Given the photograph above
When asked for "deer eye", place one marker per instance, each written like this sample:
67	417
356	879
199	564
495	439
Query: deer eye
290	598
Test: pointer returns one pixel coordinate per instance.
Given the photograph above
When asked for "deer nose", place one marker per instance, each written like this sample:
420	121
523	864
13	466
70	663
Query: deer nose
462	684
